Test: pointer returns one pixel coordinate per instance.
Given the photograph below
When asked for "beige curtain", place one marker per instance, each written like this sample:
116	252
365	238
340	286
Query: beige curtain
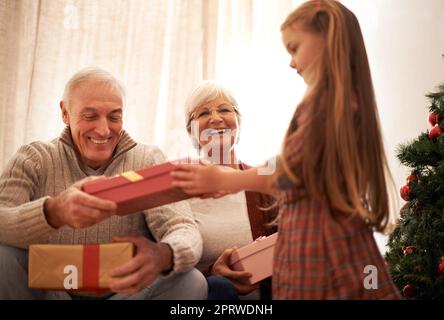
154	47
160	49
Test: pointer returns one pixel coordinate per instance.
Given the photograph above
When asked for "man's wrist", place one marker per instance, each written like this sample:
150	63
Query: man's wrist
166	257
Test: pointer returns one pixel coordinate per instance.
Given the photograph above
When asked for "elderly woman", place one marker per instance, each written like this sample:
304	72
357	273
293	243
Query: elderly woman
213	122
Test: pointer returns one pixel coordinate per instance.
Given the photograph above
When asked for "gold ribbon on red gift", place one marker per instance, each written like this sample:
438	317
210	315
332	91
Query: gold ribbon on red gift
132	176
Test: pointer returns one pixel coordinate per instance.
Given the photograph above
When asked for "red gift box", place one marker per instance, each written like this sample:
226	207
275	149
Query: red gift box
256	258
139	190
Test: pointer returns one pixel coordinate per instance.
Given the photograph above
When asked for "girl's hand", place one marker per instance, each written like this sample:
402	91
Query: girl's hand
239	278
203	180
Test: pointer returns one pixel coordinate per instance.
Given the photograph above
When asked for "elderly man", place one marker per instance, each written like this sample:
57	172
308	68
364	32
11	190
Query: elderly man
41	202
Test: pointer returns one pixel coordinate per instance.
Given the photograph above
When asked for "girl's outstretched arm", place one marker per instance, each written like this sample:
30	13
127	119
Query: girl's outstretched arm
215	181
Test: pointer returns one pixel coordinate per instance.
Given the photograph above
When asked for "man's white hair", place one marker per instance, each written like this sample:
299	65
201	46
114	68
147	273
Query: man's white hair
94	74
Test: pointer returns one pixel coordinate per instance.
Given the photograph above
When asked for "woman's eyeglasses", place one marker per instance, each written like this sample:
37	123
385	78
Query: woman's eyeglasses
205	113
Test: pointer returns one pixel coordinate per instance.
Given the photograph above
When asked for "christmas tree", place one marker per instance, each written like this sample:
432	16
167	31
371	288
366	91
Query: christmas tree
416	247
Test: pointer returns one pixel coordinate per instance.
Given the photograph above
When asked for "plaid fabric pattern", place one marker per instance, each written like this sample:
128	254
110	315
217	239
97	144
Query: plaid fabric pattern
320	255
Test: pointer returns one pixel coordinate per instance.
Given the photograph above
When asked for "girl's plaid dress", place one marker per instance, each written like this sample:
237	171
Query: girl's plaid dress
320	254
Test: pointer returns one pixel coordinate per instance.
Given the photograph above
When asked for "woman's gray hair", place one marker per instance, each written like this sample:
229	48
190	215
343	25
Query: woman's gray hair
207	91
92	74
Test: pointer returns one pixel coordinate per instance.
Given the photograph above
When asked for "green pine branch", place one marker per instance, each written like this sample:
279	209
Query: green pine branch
421	152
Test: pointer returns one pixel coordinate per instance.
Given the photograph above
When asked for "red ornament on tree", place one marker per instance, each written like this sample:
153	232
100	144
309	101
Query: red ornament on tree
435	132
412	179
405	193
408	250
408	291
441	267
434	118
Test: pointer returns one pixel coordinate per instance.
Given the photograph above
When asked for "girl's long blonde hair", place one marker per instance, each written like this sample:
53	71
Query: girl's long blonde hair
342	155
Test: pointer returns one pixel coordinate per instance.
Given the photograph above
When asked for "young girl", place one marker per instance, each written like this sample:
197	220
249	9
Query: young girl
331	174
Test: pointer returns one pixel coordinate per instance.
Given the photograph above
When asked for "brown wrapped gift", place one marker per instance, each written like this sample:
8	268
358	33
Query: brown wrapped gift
75	267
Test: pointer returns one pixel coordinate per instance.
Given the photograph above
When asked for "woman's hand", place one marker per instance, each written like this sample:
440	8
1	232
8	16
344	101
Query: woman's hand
239	278
200	180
